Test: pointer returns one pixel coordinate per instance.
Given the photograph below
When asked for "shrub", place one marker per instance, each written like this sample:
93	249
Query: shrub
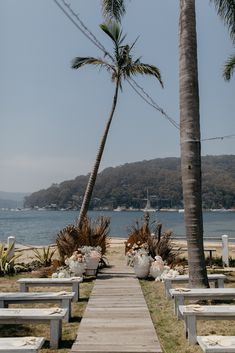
7	264
45	256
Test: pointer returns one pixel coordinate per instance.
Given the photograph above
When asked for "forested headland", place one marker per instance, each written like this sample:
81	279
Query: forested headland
127	185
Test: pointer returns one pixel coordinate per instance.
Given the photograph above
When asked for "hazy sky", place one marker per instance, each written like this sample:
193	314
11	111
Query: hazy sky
52	117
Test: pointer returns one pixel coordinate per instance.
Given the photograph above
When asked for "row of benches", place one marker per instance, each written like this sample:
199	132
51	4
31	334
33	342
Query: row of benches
53	316
192	313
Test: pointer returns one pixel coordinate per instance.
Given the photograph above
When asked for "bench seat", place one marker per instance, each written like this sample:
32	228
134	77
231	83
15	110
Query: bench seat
21	344
73	282
225	344
194	312
53	316
218	279
180	295
63	298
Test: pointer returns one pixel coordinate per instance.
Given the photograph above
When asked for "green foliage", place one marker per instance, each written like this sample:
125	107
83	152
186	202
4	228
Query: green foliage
126	185
44	256
229	68
7	264
113	9
226	11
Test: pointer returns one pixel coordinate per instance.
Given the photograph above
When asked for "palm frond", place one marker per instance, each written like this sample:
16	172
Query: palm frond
229	68
144	69
113	9
132	45
113	30
226	10
81	61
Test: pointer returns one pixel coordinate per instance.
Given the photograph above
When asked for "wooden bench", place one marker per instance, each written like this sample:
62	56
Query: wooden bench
21	344
223	347
218	280
30	316
73	282
200	294
63	298
192	313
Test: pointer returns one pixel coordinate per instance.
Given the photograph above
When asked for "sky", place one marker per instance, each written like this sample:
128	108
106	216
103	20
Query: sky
52	117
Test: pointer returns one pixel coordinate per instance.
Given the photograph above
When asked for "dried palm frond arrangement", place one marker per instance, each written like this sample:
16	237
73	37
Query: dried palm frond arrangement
158	243
92	233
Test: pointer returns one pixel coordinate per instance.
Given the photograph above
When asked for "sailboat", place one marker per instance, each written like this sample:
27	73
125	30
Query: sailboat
148	207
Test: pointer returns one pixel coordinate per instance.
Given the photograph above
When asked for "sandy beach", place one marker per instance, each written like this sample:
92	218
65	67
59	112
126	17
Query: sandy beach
27	253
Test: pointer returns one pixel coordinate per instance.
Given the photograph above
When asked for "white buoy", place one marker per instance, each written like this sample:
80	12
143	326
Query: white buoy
225	250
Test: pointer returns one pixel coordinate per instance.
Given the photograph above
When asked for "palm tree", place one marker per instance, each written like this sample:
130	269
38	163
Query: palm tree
190	143
190	137
121	67
226	10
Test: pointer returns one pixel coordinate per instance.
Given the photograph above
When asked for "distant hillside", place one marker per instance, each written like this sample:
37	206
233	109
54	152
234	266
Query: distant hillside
127	185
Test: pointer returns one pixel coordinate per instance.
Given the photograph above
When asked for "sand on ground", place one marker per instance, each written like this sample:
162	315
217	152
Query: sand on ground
117	244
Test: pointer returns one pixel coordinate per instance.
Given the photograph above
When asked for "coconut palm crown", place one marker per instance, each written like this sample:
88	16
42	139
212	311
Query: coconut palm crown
121	66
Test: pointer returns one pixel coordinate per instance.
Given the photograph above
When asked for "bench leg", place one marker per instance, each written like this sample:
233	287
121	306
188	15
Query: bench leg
168	286
75	288
24	287
55	333
66	304
178	301
220	283
191	326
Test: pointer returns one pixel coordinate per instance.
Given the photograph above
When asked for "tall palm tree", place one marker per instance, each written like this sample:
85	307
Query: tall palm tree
190	138
226	11
122	67
190	143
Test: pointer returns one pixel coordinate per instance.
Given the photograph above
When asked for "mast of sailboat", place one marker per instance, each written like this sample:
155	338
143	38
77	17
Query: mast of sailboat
148	205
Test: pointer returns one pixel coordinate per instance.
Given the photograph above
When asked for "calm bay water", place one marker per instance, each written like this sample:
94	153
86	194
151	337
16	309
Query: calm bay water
41	227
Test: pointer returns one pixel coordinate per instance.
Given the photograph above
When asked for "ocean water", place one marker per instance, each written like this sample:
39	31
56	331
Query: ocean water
41	227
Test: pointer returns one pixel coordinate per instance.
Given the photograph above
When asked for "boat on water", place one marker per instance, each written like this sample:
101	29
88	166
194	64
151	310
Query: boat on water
148	207
181	210
120	209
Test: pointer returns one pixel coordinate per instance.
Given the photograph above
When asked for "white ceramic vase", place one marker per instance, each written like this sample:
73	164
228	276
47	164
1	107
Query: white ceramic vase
141	265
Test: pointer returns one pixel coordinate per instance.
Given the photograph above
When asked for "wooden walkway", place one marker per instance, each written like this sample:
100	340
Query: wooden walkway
116	319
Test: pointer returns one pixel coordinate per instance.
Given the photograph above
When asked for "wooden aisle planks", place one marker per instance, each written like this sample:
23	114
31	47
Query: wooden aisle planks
116	319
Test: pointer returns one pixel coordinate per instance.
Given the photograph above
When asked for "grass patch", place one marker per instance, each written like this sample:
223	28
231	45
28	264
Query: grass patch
170	331
69	330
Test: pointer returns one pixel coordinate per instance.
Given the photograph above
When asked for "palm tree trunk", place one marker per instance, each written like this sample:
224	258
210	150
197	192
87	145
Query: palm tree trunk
190	144
93	175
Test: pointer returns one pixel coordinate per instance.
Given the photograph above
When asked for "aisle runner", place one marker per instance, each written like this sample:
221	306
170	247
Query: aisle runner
116	318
